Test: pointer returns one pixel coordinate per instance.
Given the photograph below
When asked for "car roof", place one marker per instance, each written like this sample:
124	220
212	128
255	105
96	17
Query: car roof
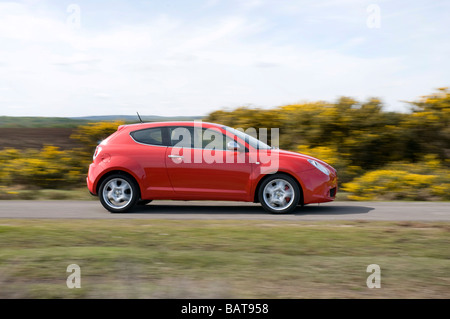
144	125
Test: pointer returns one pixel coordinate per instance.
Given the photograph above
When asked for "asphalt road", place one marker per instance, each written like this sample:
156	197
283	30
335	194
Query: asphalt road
401	211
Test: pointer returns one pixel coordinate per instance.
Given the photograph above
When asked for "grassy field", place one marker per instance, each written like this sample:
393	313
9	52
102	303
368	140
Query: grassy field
223	259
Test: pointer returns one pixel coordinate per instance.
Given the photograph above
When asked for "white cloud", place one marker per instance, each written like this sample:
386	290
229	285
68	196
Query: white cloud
172	65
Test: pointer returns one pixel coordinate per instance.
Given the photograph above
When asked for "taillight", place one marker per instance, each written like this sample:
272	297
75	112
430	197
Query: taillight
98	149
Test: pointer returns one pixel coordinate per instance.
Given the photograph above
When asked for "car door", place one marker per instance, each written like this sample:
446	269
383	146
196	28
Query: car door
200	166
149	153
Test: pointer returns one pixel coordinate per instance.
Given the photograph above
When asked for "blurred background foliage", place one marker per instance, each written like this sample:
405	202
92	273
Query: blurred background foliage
378	154
51	167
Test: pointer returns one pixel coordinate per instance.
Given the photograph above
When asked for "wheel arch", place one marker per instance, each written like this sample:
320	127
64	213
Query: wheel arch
261	181
120	172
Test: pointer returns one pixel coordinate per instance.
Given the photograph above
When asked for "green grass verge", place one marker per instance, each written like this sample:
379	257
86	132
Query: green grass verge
223	259
17	193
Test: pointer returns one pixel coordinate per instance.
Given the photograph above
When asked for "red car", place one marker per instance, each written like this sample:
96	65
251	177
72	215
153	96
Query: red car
203	161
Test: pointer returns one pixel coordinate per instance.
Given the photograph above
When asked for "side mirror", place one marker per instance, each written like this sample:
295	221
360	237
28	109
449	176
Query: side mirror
233	146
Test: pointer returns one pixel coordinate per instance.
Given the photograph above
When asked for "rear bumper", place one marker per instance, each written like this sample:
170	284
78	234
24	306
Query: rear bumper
92	193
90	180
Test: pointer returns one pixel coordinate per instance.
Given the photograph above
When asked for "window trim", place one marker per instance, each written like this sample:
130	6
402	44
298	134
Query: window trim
167	140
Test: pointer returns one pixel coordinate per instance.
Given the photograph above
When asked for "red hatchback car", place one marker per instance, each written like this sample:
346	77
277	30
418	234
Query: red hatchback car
203	161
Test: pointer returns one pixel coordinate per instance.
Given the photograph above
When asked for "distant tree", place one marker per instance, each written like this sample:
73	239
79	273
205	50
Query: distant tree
90	135
428	127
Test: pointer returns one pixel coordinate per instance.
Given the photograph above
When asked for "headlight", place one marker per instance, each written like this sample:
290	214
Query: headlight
319	166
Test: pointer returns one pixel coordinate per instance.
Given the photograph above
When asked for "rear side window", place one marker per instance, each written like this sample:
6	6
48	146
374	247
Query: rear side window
152	136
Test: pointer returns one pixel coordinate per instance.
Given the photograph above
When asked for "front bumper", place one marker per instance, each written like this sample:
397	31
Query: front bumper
318	187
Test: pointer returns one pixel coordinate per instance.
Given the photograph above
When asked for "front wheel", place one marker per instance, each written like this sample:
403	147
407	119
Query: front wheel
118	193
279	194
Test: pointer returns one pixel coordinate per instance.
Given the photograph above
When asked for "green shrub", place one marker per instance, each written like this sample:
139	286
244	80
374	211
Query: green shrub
49	167
426	180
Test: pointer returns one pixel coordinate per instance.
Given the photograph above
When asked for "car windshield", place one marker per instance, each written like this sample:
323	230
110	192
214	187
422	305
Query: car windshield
253	142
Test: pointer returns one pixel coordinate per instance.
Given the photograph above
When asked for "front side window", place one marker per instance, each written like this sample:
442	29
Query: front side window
182	136
254	142
194	137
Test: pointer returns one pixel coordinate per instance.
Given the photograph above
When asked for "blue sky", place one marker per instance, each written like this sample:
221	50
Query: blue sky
77	58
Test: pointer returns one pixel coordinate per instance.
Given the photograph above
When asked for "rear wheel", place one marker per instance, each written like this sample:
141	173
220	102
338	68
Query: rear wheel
279	194
118	193
144	202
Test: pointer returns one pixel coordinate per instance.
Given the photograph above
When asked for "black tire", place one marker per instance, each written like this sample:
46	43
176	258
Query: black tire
279	194
143	202
119	193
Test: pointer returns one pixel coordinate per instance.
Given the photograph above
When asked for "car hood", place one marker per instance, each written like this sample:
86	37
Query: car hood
303	156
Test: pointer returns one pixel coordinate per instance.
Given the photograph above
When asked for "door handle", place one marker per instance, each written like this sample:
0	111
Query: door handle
175	156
